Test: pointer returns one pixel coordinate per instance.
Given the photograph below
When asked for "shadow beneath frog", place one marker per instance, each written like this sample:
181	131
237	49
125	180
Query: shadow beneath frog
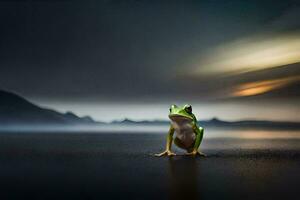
183	178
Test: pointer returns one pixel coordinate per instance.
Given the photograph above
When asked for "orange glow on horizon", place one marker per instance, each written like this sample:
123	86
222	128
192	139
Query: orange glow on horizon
260	87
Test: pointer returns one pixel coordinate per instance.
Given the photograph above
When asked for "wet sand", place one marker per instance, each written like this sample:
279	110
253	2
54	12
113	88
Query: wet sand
120	166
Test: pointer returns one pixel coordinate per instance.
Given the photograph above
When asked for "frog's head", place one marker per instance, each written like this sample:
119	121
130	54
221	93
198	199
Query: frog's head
181	113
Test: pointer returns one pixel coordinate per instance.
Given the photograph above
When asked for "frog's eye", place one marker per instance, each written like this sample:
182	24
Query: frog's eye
188	108
172	107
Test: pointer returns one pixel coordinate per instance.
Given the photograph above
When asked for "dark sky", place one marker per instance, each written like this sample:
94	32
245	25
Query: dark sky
150	50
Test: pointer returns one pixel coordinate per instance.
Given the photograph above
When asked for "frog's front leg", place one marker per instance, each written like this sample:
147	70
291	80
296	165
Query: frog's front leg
168	151
199	135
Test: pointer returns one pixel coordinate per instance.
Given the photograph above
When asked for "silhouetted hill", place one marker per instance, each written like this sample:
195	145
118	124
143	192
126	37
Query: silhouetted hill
14	109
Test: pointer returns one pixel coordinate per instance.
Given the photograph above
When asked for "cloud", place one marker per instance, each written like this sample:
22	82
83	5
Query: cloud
251	54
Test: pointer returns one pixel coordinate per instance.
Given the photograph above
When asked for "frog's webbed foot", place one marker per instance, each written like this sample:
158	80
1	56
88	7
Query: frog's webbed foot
196	153
165	153
199	153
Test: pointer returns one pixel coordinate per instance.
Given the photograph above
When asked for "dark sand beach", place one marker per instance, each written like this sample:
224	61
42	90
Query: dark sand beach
120	166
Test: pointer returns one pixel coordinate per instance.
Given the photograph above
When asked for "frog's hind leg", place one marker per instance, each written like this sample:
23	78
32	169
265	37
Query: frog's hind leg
178	143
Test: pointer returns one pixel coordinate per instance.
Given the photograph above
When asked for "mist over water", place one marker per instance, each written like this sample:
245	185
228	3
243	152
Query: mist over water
155	129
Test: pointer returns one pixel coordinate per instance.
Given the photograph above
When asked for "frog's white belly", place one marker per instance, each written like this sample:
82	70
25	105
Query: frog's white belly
184	130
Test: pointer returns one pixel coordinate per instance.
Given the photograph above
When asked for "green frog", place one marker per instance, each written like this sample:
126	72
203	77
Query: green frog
188	134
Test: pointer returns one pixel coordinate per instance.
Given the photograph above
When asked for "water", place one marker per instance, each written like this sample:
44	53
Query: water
120	165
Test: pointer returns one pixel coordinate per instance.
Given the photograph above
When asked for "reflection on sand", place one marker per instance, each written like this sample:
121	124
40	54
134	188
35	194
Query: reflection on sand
183	178
252	134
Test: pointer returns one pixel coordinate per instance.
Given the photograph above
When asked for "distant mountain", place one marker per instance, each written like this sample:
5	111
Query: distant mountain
216	123
15	110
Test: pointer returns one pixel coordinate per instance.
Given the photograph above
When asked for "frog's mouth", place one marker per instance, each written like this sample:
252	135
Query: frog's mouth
179	118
